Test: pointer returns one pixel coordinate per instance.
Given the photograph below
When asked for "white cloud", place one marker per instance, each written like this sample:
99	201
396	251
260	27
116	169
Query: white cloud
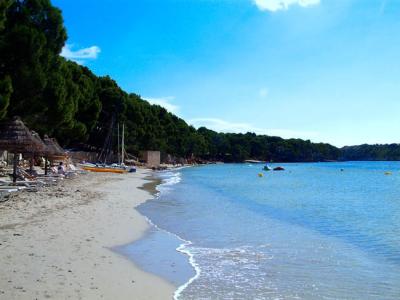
232	127
221	125
81	55
275	5
164	102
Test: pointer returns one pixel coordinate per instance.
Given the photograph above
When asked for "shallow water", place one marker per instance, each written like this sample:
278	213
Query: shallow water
310	232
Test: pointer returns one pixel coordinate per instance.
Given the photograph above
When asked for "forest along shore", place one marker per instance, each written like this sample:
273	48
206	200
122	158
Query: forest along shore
56	243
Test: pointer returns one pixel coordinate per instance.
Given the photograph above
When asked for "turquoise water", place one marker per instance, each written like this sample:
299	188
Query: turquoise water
310	232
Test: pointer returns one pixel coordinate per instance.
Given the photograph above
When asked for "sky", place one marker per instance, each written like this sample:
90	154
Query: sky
324	70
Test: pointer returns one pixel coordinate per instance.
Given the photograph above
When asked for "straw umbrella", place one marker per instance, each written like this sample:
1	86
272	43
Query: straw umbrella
54	150
16	138
42	152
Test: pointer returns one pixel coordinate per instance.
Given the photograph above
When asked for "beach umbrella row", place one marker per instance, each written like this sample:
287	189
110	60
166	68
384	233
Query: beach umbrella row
16	138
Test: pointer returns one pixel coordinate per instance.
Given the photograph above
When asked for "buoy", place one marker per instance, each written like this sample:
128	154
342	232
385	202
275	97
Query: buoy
260	174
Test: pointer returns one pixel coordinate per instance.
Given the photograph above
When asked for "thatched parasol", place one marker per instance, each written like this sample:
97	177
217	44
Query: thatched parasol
16	138
44	152
37	138
54	149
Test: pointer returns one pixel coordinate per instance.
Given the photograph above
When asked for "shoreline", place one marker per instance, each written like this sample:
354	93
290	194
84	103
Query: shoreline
186	260
58	243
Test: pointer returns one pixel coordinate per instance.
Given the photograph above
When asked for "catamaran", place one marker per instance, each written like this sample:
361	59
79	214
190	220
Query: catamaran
120	167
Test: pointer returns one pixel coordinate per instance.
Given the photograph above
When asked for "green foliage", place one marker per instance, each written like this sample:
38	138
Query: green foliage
152	127
32	39
4	5
371	152
5	80
238	147
5	93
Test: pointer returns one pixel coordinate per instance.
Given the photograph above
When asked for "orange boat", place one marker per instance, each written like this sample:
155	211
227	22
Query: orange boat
114	168
105	170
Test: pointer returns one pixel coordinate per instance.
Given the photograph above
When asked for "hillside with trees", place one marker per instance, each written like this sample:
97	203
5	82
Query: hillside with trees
65	100
366	152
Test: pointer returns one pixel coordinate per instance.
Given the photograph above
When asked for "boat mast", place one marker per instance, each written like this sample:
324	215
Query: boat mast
123	143
119	161
106	150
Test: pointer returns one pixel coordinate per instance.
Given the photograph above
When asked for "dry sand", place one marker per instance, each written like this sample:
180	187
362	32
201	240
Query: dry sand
56	243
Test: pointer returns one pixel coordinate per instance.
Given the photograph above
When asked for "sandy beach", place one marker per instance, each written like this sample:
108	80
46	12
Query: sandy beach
57	243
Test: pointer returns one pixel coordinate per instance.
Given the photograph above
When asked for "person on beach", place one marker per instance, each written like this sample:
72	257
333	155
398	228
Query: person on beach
60	169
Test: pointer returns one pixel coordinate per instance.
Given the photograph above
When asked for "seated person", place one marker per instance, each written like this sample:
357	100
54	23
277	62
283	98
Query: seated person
61	169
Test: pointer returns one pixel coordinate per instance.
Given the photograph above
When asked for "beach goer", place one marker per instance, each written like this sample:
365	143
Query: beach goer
60	169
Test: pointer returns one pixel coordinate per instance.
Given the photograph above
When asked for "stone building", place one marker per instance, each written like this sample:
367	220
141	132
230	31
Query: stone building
150	158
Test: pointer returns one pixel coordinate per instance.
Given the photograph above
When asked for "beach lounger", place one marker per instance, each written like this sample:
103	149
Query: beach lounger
5	187
9	190
26	183
21	186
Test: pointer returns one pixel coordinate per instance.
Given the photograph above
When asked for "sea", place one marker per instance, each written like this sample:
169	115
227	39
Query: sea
313	231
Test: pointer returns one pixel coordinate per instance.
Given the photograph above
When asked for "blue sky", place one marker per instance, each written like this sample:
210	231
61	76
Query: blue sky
325	70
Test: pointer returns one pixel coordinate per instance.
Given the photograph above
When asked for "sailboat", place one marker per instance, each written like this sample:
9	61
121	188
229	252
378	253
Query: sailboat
267	168
119	167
